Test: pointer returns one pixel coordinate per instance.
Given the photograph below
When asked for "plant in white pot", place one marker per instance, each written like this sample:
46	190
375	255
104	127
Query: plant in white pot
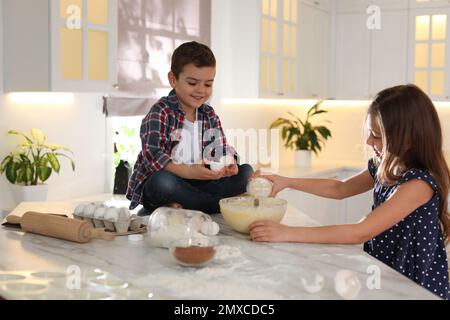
302	135
32	162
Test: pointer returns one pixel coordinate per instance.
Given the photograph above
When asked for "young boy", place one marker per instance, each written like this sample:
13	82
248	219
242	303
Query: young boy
180	136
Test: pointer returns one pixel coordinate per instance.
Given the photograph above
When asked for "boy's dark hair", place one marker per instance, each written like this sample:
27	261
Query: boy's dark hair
191	52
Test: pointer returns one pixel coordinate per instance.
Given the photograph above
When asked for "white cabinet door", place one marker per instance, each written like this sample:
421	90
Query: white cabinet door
325	211
389	51
314	43
347	6
352	56
355	208
324	5
429	3
391	4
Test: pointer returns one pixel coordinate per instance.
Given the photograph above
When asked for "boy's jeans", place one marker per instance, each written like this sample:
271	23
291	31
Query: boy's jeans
164	187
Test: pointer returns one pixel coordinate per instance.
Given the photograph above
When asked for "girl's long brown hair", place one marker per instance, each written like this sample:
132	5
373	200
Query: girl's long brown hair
412	138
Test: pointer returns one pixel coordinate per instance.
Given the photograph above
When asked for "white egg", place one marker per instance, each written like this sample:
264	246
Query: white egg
209	228
99	213
79	210
347	284
88	211
216	166
112	214
316	285
223	162
259	187
124	214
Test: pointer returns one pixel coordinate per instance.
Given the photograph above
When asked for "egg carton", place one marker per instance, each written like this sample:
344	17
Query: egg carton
113	219
93	284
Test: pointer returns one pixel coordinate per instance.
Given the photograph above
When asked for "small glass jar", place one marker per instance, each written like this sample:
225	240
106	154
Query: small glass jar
169	224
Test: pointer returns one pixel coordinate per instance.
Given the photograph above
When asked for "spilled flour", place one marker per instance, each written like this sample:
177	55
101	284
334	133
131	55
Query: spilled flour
225	278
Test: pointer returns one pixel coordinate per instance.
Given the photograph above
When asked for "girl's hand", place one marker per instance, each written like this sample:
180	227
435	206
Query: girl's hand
200	172
269	231
279	182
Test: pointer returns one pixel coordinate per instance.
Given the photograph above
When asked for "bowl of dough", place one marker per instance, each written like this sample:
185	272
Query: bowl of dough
240	212
114	219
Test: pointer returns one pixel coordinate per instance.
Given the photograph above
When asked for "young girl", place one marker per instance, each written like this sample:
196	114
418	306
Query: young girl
409	224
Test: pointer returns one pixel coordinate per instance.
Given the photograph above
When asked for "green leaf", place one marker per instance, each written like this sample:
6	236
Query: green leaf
38	136
11	172
324	132
20	134
53	161
318	112
5	163
29	173
44	173
71	160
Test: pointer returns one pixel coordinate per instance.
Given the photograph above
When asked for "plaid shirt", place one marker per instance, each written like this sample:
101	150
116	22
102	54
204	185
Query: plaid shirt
159	136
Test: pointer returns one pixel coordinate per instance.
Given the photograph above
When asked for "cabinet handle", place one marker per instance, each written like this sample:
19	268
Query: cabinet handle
280	93
314	95
115	86
317	3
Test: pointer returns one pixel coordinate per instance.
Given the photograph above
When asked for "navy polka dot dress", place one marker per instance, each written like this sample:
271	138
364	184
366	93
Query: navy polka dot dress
415	245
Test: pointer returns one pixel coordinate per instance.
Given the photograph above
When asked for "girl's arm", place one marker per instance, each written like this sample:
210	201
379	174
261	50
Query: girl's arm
327	188
407	198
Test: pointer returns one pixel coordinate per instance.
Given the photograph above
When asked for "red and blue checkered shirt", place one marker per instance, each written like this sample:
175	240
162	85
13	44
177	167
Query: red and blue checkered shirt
158	138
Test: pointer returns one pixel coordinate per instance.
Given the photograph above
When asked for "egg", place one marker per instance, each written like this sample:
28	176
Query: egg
315	286
88	211
347	284
99	213
223	162
216	166
124	214
78	212
209	228
112	214
259	187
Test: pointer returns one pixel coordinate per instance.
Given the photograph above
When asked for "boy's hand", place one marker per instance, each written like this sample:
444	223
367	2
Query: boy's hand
269	231
200	172
231	170
279	182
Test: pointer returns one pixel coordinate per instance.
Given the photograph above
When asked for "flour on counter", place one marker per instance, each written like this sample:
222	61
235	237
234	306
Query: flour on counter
192	286
225	252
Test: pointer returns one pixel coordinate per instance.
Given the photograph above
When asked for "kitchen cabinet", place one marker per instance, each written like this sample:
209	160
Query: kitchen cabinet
352	56
313	53
429	54
324	5
279	53
429	4
389	52
331	211
370	58
60	45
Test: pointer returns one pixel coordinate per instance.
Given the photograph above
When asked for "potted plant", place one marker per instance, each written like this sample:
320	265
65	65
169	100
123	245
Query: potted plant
302	135
32	162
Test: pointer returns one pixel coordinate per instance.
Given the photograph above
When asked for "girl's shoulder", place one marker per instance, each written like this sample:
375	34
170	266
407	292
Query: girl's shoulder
410	174
419	174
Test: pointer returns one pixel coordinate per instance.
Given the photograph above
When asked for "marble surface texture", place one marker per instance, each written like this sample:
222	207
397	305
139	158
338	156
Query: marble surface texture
241	270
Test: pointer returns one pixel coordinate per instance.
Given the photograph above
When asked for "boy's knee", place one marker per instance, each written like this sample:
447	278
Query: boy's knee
245	171
163	181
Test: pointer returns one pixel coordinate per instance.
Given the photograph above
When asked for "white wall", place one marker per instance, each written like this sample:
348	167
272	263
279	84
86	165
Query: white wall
347	143
79	125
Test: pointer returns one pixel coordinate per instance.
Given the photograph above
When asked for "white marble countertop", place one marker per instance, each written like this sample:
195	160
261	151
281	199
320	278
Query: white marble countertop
244	270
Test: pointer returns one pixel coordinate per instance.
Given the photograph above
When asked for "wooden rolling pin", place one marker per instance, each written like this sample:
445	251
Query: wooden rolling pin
59	227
